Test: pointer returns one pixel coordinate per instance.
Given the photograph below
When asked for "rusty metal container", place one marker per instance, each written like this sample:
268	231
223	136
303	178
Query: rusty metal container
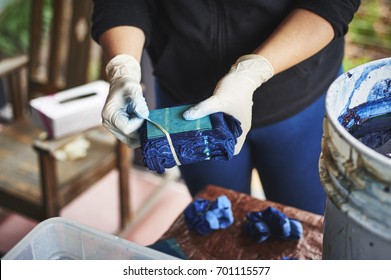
356	178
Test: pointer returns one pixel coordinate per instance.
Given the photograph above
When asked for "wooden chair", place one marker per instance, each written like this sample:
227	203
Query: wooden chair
32	181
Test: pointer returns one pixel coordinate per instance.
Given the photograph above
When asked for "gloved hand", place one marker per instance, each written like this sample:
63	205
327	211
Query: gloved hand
233	93
125	108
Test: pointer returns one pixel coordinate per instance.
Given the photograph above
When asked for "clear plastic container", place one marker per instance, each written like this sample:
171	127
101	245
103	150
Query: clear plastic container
62	239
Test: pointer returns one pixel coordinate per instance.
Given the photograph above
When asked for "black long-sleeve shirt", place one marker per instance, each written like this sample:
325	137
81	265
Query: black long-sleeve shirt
193	43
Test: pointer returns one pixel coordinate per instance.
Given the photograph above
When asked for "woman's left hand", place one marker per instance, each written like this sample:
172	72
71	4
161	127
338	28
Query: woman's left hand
233	93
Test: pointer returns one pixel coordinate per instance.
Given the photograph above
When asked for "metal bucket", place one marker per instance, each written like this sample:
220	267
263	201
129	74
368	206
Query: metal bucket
357	179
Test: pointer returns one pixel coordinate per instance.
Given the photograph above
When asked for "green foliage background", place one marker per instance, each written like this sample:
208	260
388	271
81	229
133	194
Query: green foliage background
14	22
369	36
15	26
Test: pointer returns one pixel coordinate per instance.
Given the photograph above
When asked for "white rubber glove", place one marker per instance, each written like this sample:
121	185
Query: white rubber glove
233	94
125	108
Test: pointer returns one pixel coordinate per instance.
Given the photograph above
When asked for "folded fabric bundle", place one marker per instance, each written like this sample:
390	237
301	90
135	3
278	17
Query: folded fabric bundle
204	216
167	139
272	223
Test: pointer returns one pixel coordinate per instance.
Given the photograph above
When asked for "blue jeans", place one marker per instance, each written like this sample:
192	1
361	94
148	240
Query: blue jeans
285	154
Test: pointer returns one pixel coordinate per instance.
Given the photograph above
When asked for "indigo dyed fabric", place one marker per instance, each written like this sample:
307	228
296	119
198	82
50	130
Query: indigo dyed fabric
272	223
193	141
169	246
204	216
288	258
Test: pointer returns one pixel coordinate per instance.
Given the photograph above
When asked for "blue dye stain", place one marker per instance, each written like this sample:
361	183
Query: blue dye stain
380	90
364	76
362	112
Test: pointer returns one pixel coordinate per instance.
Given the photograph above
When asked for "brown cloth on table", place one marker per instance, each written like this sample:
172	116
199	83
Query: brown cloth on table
235	243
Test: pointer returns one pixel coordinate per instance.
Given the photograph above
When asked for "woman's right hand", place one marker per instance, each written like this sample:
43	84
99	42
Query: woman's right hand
125	108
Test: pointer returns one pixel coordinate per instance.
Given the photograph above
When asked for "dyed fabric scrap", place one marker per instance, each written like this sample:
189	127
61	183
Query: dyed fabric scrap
205	216
169	246
272	223
288	258
209	138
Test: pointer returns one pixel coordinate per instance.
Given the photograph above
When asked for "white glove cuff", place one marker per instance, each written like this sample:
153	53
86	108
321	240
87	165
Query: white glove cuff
255	67
123	65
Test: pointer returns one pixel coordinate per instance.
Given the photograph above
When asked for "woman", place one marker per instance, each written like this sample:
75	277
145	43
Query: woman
267	63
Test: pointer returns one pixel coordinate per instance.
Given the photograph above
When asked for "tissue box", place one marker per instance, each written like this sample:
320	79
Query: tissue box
70	111
62	239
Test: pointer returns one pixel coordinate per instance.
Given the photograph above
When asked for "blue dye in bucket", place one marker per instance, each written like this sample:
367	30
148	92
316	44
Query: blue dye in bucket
370	122
368	126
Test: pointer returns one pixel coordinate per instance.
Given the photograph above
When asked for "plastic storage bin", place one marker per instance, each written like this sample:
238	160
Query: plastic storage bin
61	239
